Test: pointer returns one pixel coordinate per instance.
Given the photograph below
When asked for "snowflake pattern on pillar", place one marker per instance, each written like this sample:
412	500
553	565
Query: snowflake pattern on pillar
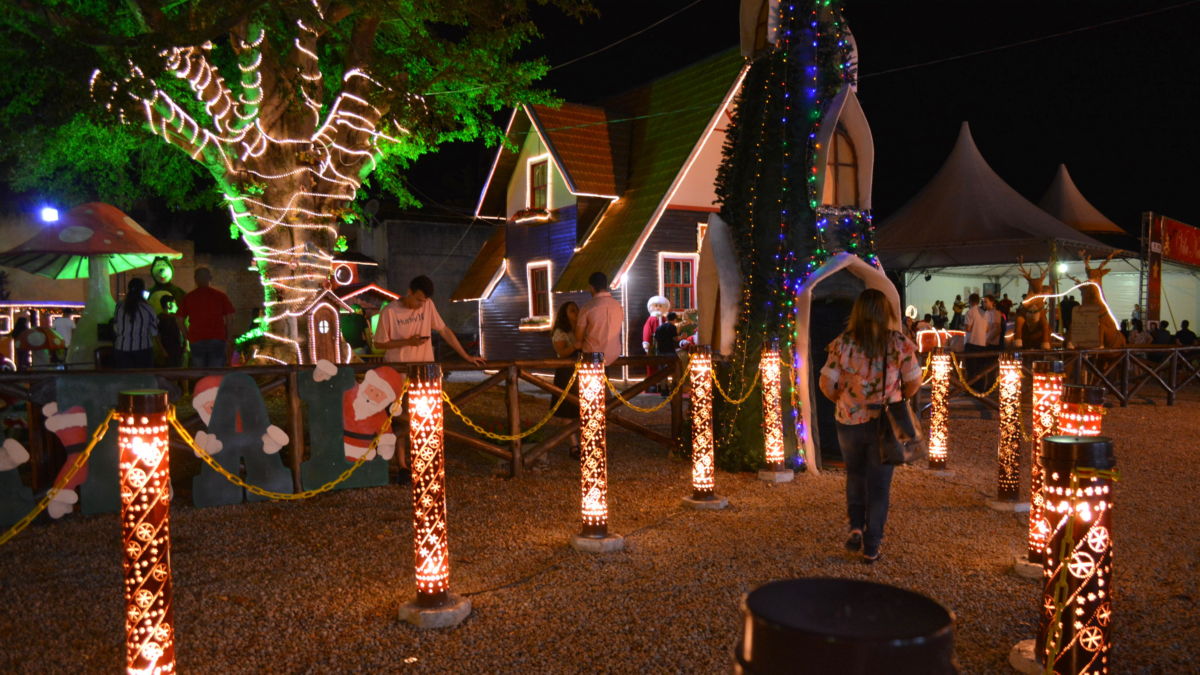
1080	583
1009	448
145	486
939	411
772	375
1047	396
593	444
702	428
432	557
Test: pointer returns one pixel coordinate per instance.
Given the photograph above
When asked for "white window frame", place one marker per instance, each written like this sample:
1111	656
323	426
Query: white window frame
695	259
537	159
529	268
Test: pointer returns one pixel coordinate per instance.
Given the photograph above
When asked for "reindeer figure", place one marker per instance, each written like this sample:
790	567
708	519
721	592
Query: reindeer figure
1093	295
1032	327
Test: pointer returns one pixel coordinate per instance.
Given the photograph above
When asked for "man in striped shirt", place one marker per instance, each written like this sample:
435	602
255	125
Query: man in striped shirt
136	326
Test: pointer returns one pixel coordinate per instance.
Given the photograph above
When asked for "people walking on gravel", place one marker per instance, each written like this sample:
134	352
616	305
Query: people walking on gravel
869	365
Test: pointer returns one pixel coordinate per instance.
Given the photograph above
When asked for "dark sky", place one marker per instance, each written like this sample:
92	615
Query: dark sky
1116	103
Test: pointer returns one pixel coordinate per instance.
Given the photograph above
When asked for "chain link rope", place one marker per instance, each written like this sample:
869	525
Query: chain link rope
967	387
524	434
80	461
674	392
749	390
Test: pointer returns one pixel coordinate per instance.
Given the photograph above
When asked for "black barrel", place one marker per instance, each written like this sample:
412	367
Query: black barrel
843	626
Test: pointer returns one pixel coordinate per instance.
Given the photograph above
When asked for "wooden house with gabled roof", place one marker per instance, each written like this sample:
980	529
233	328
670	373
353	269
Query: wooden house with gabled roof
622	187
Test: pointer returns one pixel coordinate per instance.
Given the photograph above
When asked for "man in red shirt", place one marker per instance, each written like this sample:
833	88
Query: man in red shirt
207	312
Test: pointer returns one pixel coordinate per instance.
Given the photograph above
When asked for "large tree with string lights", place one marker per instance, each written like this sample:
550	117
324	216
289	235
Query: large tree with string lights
290	106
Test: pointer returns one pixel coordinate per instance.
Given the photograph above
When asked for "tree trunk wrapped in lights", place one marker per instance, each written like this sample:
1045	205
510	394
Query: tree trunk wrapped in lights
939	410
142	441
1082	411
771	367
1047	394
703	481
1074	633
1009	447
593	446
431	554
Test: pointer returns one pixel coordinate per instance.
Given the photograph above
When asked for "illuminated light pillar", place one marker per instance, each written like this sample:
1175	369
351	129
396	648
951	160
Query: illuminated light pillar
704	494
145	466
1008	449
593	459
1076	600
1082	411
770	367
435	606
939	411
1047	396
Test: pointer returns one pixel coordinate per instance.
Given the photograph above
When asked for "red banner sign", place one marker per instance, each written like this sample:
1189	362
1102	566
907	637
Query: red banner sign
1180	242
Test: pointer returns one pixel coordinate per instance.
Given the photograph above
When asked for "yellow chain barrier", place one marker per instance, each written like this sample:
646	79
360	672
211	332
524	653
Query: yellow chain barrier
674	392
967	387
524	434
278	496
749	390
58	486
926	373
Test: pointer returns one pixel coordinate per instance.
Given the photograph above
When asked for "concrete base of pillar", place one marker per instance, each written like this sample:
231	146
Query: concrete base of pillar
714	503
1022	658
450	614
1025	569
785	476
1005	505
609	544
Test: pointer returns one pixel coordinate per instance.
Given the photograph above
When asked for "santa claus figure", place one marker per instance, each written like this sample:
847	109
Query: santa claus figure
71	427
365	408
658	306
239	433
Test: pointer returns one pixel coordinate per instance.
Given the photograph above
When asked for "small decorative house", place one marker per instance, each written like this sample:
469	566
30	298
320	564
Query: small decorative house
352	281
623	187
324	333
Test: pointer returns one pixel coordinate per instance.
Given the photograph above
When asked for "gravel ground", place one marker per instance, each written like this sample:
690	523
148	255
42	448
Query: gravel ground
315	586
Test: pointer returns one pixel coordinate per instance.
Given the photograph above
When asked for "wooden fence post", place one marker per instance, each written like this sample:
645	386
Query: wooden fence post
296	422
513	400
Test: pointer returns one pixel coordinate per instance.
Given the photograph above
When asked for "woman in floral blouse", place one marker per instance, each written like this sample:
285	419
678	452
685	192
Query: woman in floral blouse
856	379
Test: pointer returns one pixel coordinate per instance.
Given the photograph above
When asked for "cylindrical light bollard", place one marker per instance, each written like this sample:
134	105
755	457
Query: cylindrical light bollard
435	606
703	474
1008	450
593	459
1077	598
1047	395
843	626
145	466
770	367
939	410
1082	411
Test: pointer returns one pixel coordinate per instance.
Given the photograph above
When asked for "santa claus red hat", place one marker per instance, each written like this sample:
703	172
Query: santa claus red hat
206	389
385	379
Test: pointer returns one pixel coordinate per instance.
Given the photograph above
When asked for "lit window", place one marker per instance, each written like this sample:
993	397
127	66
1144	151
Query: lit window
679	282
323	326
538	275
841	172
539	184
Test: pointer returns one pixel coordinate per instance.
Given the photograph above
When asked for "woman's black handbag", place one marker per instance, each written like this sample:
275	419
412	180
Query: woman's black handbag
901	436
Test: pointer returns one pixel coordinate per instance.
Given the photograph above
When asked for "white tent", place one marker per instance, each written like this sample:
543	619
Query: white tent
968	215
1065	202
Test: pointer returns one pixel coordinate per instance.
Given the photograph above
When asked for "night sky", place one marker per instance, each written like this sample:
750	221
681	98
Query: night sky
1116	103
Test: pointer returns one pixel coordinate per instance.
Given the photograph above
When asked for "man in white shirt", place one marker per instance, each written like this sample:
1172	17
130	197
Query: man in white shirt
598	328
405	326
982	326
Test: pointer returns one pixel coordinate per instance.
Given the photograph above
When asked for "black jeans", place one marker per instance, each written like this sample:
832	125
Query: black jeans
141	358
868	480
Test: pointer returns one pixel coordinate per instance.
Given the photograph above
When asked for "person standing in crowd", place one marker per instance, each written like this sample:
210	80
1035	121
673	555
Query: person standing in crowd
978	326
1161	335
136	327
1067	306
666	340
940	316
599	326
996	327
1005	306
869	365
406	326
563	340
170	333
207	312
956	321
1137	312
1185	336
1137	336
